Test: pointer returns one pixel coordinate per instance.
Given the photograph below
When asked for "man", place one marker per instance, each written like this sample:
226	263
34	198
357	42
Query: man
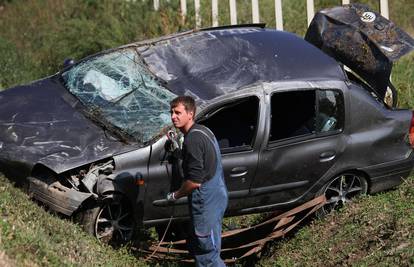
203	184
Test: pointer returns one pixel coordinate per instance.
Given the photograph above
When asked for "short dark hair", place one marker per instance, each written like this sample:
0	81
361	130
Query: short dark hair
187	101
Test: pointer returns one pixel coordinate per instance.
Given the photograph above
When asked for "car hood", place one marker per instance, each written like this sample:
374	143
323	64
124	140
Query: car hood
43	123
361	39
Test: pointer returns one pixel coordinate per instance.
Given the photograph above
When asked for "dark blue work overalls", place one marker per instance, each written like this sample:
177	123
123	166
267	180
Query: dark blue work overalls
207	205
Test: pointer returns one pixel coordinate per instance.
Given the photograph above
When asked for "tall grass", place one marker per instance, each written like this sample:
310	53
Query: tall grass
372	231
31	236
403	79
36	36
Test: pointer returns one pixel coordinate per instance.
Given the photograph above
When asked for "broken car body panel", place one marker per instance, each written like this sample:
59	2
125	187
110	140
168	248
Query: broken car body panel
59	198
42	123
361	39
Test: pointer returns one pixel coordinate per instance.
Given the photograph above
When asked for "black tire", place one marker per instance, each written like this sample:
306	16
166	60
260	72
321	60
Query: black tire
111	222
340	190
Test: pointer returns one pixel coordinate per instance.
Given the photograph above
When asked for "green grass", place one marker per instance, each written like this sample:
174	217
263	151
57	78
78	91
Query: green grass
403	79
37	35
30	236
375	230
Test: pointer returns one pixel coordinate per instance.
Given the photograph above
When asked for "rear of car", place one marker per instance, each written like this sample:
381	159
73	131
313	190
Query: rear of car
380	140
367	44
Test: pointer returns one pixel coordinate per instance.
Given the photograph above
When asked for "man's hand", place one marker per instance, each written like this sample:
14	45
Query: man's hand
186	188
171	197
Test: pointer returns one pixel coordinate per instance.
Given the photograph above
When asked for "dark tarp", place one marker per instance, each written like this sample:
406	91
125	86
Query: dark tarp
361	39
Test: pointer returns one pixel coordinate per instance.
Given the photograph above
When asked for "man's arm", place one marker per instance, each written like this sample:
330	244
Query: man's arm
193	166
186	188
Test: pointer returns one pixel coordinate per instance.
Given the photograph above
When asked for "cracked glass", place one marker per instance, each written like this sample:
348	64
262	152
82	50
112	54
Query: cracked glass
118	88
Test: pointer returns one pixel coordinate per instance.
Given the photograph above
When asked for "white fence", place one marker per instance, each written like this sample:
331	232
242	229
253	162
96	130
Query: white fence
310	10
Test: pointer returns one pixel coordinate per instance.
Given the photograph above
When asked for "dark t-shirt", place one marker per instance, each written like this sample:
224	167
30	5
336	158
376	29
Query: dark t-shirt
199	155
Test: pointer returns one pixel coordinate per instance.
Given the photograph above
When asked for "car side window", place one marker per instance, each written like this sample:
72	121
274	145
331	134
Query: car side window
300	113
234	124
293	114
331	114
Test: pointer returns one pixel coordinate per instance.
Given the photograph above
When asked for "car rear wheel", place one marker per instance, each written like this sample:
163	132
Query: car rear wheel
112	221
340	190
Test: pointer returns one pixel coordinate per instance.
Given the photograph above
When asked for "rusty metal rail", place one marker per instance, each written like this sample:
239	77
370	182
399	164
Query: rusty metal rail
241	243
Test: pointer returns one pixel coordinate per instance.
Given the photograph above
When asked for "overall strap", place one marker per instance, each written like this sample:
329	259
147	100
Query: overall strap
215	144
208	137
218	156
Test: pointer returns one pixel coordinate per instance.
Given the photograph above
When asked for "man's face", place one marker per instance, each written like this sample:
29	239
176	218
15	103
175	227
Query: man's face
180	117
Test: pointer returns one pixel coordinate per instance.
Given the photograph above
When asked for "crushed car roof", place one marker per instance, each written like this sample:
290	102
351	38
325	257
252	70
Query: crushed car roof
210	63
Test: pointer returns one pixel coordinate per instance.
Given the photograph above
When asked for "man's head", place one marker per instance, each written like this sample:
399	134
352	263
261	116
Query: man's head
183	110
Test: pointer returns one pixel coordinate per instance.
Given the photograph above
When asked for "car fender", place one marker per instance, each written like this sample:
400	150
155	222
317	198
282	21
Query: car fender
123	183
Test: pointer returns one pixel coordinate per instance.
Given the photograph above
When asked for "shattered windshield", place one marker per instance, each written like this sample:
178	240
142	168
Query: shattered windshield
118	87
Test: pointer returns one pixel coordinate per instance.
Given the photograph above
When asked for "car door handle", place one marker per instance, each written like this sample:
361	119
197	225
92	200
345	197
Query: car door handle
238	172
327	156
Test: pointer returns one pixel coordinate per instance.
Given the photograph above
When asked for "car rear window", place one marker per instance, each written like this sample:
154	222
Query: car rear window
118	88
308	112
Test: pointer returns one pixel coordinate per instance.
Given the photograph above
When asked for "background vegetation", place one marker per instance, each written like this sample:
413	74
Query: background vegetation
373	231
33	237
37	36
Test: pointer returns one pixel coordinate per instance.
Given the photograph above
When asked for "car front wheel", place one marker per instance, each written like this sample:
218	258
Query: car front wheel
340	190
112	221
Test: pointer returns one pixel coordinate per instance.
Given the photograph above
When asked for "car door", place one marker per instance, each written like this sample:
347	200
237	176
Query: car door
304	141
238	127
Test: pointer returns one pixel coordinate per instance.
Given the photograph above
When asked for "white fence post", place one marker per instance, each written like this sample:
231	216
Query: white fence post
384	9
183	6
310	10
279	15
214	12
197	13
255	11
233	12
156	5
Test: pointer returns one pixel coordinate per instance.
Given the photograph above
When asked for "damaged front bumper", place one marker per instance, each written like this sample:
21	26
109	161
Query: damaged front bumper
56	196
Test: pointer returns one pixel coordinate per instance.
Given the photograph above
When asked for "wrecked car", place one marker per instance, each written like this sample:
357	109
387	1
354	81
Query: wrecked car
294	119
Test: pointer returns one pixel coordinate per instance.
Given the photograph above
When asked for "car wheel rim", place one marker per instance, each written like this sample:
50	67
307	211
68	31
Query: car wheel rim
341	190
114	223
